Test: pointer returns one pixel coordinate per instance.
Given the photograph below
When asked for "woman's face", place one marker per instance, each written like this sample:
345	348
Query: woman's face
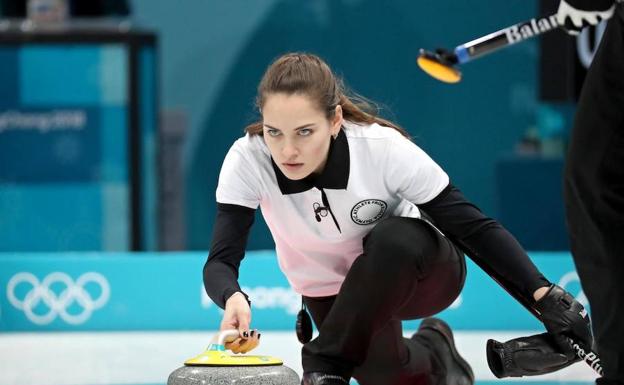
298	134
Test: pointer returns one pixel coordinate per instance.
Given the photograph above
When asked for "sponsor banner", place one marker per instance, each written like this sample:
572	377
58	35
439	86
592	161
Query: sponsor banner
51	115
50	145
164	291
64	146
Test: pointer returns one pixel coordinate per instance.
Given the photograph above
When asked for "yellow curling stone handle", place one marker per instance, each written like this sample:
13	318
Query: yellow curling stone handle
215	354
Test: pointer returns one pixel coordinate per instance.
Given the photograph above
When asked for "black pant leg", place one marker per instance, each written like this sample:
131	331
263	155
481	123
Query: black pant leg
594	195
387	359
360	332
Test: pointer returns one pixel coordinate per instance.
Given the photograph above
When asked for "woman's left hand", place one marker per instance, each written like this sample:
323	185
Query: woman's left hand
565	318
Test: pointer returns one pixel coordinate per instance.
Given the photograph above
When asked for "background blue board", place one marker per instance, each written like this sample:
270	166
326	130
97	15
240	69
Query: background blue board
164	291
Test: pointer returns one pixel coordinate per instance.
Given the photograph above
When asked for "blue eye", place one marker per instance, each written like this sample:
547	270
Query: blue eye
305	132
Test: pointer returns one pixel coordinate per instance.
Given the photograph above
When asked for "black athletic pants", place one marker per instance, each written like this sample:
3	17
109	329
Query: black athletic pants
594	196
408	270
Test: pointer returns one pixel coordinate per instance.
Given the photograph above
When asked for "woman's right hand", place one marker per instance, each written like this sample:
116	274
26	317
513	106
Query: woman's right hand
565	318
238	316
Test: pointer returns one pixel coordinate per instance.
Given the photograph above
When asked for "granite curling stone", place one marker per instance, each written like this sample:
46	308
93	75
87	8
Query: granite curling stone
216	367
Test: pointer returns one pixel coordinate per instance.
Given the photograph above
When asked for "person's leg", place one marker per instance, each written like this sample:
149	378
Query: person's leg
388	354
594	196
408	269
393	359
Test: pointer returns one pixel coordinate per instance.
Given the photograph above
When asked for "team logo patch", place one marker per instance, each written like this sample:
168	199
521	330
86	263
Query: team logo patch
368	211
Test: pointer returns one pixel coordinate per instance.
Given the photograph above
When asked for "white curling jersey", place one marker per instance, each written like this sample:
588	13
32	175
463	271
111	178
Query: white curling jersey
372	172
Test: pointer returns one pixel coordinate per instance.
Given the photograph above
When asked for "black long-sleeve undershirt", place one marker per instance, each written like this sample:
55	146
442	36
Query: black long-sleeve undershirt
227	250
482	238
486	242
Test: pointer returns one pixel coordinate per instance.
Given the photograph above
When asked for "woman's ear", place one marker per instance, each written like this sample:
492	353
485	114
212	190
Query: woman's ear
337	120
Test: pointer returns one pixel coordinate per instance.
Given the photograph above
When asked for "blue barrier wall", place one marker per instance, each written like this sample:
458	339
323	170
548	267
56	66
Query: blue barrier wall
150	291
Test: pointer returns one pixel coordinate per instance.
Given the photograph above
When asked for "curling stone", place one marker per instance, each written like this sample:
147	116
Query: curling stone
216	367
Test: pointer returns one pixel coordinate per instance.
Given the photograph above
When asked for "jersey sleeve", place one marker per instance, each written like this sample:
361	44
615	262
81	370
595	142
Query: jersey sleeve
239	182
411	173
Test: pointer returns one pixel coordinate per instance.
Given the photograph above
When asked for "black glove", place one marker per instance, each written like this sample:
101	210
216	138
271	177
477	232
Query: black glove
526	356
565	318
574	15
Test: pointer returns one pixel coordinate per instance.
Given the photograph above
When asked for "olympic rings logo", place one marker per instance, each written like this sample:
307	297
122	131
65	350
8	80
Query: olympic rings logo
58	304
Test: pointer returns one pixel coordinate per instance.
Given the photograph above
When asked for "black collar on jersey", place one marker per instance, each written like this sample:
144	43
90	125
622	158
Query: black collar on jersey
334	176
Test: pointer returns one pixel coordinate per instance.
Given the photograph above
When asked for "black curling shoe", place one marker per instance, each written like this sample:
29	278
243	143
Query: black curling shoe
318	378
449	368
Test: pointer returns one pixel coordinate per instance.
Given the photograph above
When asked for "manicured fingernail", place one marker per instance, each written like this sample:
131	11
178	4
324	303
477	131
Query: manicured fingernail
245	334
252	333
